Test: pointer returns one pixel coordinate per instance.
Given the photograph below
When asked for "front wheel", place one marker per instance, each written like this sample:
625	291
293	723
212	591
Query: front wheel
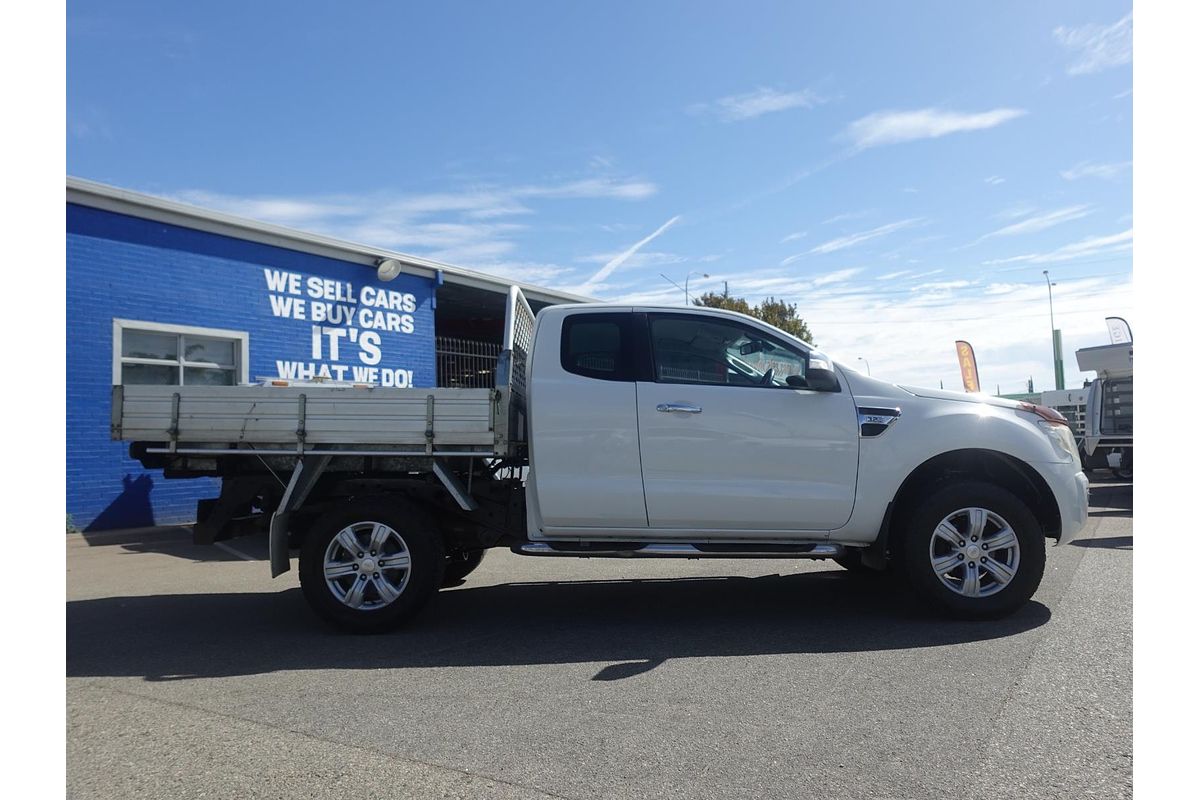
973	549
370	566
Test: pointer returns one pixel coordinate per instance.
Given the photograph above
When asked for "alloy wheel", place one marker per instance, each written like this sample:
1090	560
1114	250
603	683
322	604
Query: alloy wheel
367	565
974	552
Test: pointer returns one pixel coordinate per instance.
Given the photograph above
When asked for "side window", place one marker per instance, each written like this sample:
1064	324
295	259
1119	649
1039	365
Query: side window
598	346
695	349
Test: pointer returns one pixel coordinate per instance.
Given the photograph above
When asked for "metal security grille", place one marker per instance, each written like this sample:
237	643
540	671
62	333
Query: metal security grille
466	364
518	338
1076	414
1116	407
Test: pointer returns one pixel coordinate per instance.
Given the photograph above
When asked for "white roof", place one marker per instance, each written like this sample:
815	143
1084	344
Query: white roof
122	201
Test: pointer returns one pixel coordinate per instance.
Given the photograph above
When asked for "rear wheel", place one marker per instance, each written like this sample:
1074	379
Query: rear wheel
973	549
1125	471
370	566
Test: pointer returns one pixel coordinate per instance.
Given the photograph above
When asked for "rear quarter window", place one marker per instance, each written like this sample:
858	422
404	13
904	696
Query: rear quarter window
598	346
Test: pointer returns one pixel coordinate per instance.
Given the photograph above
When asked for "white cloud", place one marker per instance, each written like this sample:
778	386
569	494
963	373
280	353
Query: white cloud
846	217
791	237
910	339
1092	246
891	276
1015	212
941	286
908	335
1041	222
616	261
735	108
1097	47
471	227
1087	169
533	272
842	242
839	276
993	180
892	127
279	210
643	258
592	187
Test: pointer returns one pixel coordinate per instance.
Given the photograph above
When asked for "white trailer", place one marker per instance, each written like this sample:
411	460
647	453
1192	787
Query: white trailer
1108	424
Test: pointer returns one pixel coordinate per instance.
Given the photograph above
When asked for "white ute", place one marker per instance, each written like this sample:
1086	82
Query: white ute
624	431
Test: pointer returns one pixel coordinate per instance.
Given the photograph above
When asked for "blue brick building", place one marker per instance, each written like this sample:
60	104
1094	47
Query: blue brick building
160	292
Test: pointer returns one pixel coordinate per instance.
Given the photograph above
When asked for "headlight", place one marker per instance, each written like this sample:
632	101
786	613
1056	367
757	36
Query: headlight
1056	428
1060	436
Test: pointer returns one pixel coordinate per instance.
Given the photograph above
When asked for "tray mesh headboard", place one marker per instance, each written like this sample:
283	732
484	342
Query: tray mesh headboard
518	338
512	367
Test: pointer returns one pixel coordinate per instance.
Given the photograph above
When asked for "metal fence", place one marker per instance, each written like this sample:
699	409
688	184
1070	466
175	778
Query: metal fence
466	364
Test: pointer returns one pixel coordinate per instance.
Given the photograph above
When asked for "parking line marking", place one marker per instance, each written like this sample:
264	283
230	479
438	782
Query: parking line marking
234	551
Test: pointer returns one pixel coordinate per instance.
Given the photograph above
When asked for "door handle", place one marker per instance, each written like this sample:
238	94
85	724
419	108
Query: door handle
683	407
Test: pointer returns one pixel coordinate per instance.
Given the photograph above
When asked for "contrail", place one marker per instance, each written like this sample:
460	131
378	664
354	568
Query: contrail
618	260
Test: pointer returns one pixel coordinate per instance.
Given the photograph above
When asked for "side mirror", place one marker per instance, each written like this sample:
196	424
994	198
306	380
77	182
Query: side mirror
820	376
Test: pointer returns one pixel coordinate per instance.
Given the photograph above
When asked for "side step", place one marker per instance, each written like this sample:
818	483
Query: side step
678	550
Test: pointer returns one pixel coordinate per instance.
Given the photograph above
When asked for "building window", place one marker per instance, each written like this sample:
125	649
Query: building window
178	355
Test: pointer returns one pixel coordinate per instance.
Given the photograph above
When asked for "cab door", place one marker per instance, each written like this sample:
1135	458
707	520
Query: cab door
731	440
583	444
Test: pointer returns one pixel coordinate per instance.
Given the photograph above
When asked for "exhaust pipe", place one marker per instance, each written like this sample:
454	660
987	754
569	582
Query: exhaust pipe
678	550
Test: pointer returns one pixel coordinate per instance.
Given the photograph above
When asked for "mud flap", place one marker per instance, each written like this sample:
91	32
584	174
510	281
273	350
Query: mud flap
304	477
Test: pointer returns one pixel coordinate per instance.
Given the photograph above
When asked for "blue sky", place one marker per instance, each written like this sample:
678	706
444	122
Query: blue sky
901	172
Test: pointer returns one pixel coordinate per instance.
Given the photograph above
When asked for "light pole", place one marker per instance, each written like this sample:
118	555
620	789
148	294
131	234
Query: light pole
687	300
868	363
1050	292
1055	336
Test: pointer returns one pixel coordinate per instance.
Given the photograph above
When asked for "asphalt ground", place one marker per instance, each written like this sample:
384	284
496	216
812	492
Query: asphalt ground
190	673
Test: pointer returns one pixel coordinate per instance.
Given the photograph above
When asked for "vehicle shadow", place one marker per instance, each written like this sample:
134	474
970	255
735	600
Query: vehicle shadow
1109	542
176	541
1110	500
630	625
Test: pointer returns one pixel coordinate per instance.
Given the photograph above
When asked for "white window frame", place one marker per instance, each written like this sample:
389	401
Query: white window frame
242	339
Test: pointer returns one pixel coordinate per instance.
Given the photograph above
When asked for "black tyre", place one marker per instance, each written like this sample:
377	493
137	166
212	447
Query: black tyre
973	549
1125	471
370	566
460	565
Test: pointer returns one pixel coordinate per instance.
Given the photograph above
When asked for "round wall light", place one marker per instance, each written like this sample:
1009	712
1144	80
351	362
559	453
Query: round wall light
388	269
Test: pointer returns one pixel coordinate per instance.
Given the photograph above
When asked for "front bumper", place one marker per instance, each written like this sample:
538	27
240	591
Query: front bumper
1070	488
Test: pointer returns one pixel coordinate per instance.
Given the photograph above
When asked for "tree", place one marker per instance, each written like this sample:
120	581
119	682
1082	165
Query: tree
771	311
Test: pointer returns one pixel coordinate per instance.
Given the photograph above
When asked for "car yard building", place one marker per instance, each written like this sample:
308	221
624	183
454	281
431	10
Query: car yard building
165	293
